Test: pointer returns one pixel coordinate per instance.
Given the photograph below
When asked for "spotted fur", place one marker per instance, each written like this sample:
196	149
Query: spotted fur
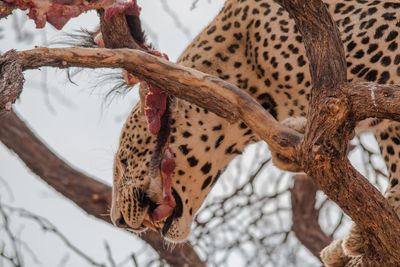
254	45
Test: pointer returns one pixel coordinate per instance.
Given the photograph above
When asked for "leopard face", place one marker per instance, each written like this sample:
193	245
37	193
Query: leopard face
256	46
201	152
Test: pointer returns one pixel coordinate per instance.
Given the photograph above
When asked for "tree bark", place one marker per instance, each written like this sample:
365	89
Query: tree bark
87	193
11	80
305	216
6	9
116	33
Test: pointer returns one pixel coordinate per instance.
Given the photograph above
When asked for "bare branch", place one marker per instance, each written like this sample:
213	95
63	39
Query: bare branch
194	3
116	33
322	42
305	216
11	80
374	100
109	255
178	24
321	39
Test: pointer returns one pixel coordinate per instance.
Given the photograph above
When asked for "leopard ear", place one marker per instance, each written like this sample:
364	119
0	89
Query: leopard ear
143	90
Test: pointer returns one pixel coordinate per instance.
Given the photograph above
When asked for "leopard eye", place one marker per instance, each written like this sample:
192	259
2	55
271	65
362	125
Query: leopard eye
124	162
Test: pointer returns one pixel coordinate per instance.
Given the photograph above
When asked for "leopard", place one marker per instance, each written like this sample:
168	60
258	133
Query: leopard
255	45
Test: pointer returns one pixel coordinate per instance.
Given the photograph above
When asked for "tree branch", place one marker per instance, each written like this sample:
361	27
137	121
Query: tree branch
321	39
330	127
374	100
305	216
116	33
207	91
90	195
11	80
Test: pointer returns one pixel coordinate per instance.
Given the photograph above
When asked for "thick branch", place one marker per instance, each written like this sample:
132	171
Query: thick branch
90	195
366	206
374	100
116	32
207	91
329	129
11	80
305	216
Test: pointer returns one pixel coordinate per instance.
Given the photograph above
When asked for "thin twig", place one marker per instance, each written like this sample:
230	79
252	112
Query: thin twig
109	254
175	17
47	226
17	255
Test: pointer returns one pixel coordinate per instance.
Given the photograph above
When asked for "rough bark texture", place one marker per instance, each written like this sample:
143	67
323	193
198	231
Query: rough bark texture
305	216
330	127
321	39
373	100
89	194
11	80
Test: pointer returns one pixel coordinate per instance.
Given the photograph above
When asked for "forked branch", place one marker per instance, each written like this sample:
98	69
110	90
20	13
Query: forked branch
305	215
331	122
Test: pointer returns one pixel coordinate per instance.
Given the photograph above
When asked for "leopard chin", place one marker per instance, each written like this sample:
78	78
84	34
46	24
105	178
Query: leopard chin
134	213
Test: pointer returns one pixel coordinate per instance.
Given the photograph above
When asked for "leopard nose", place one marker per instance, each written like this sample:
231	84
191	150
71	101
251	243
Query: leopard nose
120	221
